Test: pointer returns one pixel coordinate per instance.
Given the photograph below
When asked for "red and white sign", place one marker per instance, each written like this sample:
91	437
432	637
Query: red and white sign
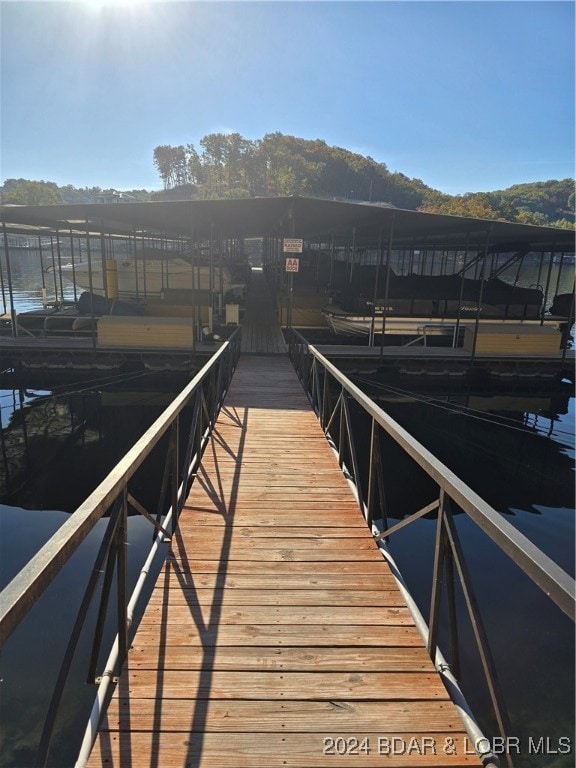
292	265
293	245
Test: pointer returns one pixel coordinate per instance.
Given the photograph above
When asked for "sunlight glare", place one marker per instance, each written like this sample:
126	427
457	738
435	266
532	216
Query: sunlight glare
99	5
108	7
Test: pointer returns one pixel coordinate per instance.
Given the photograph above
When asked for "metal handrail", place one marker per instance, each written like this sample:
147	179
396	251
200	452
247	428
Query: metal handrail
206	392
22	592
552	579
316	373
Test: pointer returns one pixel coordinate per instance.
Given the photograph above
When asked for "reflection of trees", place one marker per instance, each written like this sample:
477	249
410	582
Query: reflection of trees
508	463
57	450
36	443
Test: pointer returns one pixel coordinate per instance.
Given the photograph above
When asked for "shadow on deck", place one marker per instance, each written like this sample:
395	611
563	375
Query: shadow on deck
275	629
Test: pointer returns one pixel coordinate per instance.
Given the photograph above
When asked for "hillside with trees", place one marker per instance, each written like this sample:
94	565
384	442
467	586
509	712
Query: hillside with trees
541	202
26	192
226	165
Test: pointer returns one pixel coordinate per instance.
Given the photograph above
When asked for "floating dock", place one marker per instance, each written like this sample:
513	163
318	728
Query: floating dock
517	353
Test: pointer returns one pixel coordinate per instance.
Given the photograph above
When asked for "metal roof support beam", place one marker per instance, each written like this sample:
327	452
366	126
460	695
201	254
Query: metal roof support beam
477	323
54	268
103	258
132	239
194	297
332	246
72	257
463	273
353	253
388	268
378	264
59	257
548	279
90	285
41	264
10	291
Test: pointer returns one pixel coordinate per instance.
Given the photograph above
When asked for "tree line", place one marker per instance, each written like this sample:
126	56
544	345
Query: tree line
28	192
227	165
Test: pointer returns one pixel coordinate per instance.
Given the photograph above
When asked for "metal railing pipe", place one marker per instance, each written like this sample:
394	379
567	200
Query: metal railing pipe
107	676
22	592
482	745
543	571
448	557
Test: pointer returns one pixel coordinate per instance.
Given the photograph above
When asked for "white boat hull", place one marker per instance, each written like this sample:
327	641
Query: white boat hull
345	323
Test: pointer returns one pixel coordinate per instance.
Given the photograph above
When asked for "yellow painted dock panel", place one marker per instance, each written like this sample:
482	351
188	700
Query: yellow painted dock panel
163	332
513	339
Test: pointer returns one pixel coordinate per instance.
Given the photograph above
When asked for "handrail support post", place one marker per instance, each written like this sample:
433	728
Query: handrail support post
122	577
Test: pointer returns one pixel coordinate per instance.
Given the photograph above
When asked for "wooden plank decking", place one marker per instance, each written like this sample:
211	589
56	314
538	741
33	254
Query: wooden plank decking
261	332
276	634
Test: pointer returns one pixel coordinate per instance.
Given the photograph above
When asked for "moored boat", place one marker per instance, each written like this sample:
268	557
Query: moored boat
152	274
433	305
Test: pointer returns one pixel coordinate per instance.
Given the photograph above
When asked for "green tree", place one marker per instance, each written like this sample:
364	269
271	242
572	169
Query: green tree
179	162
477	205
164	162
24	192
563	224
526	216
214	152
229	165
195	173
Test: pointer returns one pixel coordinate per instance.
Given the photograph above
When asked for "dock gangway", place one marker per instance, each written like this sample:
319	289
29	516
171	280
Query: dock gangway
279	631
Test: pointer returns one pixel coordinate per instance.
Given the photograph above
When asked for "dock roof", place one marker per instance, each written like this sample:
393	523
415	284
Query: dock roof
304	217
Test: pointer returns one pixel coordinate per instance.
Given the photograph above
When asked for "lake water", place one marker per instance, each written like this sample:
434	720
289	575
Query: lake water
516	449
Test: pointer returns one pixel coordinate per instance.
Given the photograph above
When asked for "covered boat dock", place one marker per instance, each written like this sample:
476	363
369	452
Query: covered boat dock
343	245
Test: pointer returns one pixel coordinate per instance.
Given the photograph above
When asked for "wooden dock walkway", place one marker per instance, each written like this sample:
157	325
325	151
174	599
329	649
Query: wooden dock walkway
276	634
261	332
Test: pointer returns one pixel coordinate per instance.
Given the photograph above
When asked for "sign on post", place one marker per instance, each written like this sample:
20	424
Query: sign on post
293	245
292	265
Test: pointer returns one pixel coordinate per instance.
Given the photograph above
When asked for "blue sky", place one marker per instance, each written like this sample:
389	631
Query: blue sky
466	96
